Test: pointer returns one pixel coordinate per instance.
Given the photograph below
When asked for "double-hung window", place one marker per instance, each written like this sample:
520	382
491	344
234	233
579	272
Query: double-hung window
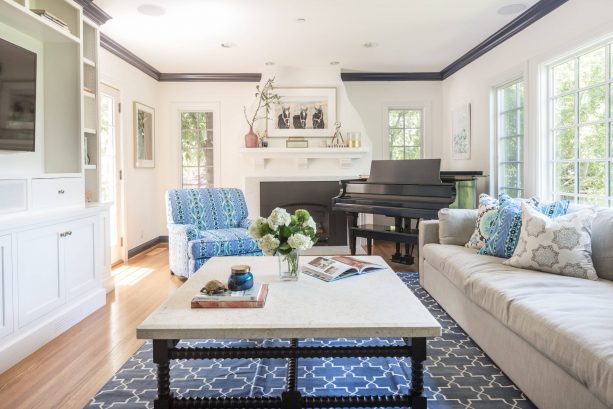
197	149
579	121
405	133
510	138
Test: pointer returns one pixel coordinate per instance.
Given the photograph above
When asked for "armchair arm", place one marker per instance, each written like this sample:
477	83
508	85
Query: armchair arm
178	237
244	224
428	233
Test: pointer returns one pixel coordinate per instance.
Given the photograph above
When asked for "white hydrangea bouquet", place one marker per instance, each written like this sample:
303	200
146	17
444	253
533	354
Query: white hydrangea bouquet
285	235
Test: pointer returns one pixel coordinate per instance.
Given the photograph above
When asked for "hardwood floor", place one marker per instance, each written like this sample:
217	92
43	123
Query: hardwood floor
69	370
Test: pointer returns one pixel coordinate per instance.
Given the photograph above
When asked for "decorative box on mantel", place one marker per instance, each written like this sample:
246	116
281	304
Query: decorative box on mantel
343	156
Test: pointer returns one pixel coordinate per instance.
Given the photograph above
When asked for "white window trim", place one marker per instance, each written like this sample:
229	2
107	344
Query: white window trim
424	107
545	114
200	107
495	132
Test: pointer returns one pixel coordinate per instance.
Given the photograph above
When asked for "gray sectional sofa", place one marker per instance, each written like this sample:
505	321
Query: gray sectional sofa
552	335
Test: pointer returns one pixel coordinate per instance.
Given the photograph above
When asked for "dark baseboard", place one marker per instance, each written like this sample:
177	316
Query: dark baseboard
146	246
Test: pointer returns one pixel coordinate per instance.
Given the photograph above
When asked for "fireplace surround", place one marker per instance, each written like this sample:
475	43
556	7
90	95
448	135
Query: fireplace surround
314	196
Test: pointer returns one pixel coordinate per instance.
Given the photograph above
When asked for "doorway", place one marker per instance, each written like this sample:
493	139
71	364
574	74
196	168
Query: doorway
111	173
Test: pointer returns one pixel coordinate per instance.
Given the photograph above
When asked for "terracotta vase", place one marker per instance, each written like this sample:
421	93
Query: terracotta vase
251	139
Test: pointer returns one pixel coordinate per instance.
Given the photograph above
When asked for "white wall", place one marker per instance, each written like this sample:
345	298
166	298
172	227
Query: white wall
572	25
142	203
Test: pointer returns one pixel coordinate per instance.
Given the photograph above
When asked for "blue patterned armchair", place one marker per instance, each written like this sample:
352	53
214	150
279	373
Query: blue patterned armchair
204	223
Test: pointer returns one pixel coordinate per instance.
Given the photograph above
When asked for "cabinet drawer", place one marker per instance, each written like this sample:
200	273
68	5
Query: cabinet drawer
54	192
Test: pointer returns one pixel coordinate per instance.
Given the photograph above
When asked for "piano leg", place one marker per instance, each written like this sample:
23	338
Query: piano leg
397	256
369	246
352	221
408	248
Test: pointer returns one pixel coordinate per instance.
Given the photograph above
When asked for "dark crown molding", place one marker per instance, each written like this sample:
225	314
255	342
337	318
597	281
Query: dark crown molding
530	16
93	12
128	56
211	77
391	76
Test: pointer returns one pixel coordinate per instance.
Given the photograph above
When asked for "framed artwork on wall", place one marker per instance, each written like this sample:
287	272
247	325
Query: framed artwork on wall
308	112
460	132
144	136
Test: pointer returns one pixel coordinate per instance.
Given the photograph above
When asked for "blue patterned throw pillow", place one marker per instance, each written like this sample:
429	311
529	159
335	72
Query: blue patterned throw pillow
506	226
488	208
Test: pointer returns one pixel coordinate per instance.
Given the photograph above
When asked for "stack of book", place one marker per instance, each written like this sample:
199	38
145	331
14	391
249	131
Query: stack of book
255	297
55	20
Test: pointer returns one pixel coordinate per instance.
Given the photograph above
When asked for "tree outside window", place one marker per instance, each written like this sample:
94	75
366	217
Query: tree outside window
405	133
197	149
510	134
580	117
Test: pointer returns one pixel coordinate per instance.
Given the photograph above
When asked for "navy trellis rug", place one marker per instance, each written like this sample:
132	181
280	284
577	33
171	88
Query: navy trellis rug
458	374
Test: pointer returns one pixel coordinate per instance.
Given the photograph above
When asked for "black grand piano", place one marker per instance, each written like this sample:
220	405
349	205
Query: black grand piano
407	190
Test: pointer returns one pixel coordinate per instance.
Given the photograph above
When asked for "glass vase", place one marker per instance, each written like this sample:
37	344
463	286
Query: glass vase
288	266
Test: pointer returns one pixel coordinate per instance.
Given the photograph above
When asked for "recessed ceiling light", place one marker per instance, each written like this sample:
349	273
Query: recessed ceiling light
301	20
151	10
513	8
228	45
334	63
370	45
269	63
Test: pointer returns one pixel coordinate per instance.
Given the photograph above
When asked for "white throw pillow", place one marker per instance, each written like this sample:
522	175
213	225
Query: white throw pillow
562	245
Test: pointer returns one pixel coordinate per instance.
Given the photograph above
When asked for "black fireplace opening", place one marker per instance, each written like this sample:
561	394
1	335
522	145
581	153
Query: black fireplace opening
316	198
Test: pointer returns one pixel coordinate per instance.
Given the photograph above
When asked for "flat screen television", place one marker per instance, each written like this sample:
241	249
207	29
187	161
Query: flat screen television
17	97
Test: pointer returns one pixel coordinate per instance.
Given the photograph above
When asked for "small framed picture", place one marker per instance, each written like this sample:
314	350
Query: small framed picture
144	136
296	143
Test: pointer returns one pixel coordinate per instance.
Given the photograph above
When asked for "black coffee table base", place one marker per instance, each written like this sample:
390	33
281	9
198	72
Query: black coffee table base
415	348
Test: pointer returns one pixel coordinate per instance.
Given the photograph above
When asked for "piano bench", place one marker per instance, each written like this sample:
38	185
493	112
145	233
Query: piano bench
378	232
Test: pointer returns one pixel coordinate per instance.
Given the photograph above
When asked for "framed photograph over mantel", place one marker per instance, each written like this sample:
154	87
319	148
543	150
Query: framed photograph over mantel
144	136
308	112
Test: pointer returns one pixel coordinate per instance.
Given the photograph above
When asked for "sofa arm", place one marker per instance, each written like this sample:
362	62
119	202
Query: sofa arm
178	237
428	233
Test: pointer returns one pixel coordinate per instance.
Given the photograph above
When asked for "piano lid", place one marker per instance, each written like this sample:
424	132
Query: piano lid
414	171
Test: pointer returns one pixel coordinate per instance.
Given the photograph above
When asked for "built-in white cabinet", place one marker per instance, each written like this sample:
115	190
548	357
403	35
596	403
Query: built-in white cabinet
53	269
81	261
56	263
56	192
39	280
6	287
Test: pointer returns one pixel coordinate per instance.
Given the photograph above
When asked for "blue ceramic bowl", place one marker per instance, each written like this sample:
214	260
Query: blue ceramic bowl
240	281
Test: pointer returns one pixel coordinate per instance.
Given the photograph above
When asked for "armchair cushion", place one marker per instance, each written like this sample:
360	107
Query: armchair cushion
222	242
207	209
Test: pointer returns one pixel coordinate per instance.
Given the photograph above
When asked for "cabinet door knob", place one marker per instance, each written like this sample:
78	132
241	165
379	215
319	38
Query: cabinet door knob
62	234
60	192
69	232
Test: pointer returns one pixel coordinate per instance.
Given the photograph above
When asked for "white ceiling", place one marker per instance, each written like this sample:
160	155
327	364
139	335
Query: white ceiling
412	35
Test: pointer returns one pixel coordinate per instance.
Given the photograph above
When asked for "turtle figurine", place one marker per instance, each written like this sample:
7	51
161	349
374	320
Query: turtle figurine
214	287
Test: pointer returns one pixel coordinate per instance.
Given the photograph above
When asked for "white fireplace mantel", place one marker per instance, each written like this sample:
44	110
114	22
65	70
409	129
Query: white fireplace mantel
301	156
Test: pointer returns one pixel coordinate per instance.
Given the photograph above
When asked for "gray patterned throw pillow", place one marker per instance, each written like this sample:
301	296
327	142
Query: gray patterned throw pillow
561	246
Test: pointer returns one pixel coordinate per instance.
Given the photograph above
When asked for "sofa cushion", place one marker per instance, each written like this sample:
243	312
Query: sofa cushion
221	242
559	246
456	225
567	319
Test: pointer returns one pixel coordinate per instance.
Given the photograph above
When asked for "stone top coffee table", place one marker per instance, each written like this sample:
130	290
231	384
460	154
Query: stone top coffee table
376	304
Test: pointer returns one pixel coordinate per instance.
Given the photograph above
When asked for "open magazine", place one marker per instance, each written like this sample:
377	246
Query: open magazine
338	267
